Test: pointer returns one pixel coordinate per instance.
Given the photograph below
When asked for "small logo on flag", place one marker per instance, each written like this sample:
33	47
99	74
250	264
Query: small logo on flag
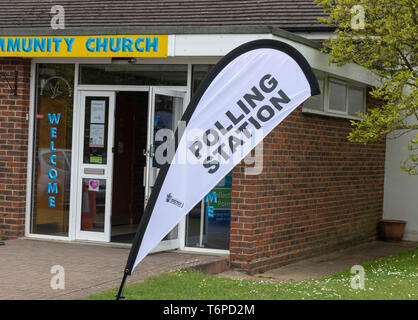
176	202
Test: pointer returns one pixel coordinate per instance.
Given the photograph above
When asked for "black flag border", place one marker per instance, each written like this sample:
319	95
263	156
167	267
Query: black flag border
235	53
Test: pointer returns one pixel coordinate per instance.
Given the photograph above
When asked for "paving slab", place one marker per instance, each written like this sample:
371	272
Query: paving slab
25	267
328	264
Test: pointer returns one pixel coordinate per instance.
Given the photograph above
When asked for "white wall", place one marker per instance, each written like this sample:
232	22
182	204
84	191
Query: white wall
401	191
218	45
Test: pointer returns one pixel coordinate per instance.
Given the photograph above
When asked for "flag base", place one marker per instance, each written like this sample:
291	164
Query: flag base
119	295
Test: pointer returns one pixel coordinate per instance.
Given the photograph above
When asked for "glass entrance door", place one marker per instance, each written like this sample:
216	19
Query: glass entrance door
95	165
165	111
97	147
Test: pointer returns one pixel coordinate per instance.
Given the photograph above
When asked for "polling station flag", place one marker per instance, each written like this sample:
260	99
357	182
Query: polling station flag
245	96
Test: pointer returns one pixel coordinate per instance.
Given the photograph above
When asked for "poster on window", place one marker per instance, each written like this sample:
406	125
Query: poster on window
98	108
97	132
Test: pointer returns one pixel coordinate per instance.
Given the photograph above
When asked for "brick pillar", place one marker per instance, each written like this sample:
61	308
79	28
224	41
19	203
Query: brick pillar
243	218
13	147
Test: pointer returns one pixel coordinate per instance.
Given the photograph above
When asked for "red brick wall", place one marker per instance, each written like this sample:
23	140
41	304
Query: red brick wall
317	193
13	147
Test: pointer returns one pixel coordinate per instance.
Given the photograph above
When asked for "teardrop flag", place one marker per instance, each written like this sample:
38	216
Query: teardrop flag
244	97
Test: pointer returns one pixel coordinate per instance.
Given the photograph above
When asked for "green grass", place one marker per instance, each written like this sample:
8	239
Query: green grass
395	277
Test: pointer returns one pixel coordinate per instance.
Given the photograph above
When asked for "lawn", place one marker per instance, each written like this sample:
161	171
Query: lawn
395	277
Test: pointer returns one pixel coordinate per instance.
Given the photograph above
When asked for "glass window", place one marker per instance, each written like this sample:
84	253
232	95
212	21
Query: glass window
52	149
167	114
355	100
199	72
317	102
208	224
337	96
193	226
134	74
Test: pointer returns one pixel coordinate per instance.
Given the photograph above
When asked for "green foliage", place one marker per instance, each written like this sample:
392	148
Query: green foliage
386	43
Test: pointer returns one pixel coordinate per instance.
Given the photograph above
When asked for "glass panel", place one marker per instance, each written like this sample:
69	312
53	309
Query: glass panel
355	100
213	232
193	220
208	223
167	114
337	96
173	234
93	205
134	74
95	130
52	149
199	72
317	102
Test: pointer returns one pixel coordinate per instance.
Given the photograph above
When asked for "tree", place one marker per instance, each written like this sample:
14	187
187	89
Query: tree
380	35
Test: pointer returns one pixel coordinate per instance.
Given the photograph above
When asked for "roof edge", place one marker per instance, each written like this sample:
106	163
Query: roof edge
238	29
133	30
294	37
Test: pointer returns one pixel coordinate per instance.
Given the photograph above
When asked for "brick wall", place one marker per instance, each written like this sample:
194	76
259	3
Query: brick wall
317	193
13	147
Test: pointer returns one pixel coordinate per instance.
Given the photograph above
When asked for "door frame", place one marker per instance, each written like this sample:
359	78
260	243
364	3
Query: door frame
156	90
159	90
107	169
80	92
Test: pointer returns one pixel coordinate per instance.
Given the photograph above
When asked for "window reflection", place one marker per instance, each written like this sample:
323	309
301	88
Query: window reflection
134	74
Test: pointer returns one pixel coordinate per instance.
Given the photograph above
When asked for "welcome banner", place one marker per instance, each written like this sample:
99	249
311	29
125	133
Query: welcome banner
245	96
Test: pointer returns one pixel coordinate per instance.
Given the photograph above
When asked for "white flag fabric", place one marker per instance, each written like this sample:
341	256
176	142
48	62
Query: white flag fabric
245	96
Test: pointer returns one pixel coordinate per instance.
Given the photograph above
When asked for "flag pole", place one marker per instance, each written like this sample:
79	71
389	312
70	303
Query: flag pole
136	243
119	294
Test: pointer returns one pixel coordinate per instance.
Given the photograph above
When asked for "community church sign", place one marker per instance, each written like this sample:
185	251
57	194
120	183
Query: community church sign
85	46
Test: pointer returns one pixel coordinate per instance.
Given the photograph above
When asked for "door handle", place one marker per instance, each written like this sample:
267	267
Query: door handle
148	152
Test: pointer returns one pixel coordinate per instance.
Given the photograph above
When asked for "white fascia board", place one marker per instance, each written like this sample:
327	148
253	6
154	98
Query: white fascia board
210	45
320	61
316	35
218	45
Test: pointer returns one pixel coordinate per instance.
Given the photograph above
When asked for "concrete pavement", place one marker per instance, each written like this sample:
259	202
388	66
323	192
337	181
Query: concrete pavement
25	267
